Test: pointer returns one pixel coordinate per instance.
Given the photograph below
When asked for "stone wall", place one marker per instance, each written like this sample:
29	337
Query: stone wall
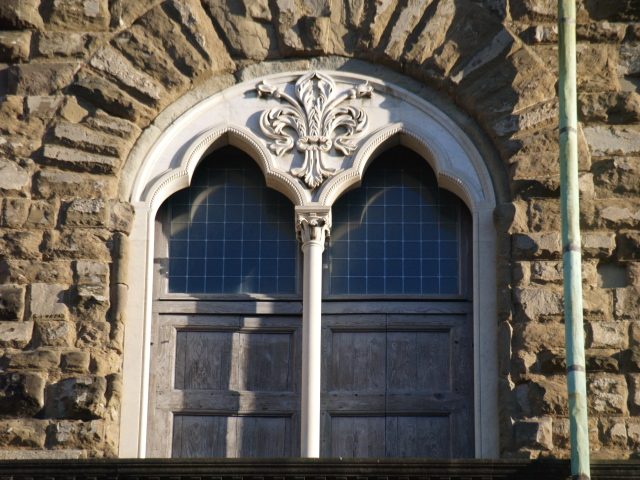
83	79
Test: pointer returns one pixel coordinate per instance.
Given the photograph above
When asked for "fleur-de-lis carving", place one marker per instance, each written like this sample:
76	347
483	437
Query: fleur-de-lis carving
314	116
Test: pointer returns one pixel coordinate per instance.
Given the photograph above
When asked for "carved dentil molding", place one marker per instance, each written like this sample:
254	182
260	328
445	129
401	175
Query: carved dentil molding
314	116
313	228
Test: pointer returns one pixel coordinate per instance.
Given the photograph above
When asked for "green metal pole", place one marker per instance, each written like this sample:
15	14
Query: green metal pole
571	249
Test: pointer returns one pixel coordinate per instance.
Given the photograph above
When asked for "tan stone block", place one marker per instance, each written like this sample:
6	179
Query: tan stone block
76	361
633	434
40	359
87	212
15	334
26	271
627	302
40	79
548	395
607	393
15	212
92	272
15	46
76	159
534	433
597	245
79	244
121	216
610	107
47	301
608	334
79	15
77	434
634	333
105	363
80	398
102	122
23	432
12	302
535	337
634	392
66	44
54	333
43	107
628	246
18	14
21	394
633	274
537	245
21	244
13	178
614	432
93	334
43	214
53	183
81	138
537	301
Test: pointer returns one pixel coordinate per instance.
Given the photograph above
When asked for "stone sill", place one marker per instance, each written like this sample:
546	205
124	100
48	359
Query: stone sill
316	469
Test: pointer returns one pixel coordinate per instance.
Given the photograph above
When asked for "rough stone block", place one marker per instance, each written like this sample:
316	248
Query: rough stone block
93	294
510	217
21	394
87	212
610	107
25	272
44	107
79	243
633	434
602	360
627	302
78	137
15	334
93	334
65	44
613	214
105	363
103	122
11	302
634	393
22	244
43	214
92	272
88	162
15	212
14	46
73	434
628	246
18	14
536	337
52	333
121	216
40	78
82	15
115	65
13	177
47	301
77	362
40	360
552	361
537	301
80	398
607	393
608	334
24	432
537	245
548	395
534	433
633	274
552	272
613	140
630	359
112	99
66	184
598	245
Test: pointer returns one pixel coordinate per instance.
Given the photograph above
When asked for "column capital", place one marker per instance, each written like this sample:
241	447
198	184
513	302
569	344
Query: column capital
313	225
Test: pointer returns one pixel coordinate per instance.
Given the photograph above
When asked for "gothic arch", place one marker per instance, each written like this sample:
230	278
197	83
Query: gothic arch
231	117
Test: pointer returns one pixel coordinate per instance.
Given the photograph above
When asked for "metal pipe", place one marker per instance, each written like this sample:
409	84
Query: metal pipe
571	248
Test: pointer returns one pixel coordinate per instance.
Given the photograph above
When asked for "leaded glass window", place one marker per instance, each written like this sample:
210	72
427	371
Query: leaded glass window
398	233
229	233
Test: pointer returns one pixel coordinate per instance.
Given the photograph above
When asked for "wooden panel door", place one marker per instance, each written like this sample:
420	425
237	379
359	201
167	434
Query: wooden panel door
224	385
398	385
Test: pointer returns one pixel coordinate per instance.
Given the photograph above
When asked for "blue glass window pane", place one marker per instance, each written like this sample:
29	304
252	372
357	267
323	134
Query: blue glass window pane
397	233
229	233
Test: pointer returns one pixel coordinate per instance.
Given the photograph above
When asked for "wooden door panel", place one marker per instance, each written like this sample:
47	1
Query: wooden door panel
203	360
357	437
219	436
418	437
358	361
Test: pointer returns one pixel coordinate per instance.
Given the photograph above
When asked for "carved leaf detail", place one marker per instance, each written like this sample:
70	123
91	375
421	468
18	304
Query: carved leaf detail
315	117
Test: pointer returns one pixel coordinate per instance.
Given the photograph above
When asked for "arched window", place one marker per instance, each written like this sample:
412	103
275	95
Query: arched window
398	372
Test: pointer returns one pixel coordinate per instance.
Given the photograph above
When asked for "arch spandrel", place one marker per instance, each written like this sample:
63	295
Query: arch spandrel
272	119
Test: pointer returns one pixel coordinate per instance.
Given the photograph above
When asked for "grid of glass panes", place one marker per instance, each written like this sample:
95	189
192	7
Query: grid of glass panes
229	233
397	233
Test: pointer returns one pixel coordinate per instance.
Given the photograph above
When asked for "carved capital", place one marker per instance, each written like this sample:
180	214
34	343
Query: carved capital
313	227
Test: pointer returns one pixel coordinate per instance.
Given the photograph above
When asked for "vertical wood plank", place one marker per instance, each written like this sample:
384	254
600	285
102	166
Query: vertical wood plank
434	361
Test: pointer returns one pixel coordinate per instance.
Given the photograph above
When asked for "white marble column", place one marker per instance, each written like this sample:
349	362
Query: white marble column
312	227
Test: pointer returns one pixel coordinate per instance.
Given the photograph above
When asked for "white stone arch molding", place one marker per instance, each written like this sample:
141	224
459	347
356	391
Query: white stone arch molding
381	115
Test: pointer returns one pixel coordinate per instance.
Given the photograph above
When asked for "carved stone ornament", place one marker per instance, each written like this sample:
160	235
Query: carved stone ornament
311	227
315	115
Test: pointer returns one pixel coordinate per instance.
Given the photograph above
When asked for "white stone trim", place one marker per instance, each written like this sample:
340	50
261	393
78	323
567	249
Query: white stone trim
229	117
